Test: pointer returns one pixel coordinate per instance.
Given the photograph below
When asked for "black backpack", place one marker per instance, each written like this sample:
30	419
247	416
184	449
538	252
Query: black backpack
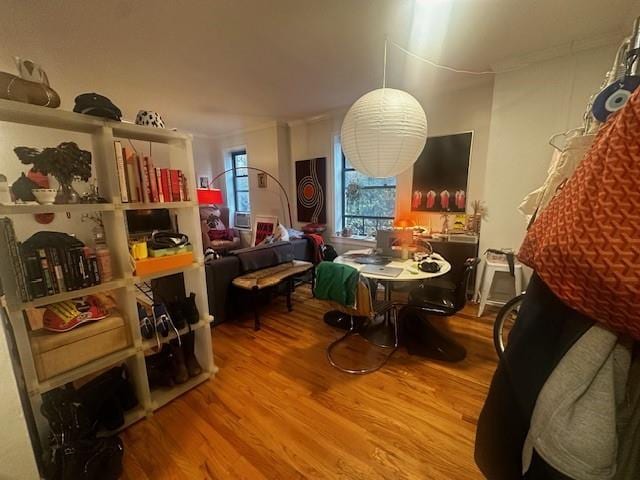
329	253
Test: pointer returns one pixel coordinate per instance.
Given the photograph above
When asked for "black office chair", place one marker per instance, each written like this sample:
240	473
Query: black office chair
422	338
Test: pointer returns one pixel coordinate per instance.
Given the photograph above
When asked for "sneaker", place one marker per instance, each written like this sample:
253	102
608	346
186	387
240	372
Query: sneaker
146	326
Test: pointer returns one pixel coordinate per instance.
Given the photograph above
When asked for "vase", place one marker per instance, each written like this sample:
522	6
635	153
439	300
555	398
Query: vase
67	194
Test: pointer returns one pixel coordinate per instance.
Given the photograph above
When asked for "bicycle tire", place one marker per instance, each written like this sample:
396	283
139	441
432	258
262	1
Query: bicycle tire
498	326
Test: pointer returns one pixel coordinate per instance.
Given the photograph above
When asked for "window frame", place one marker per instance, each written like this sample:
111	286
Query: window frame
343	170
236	190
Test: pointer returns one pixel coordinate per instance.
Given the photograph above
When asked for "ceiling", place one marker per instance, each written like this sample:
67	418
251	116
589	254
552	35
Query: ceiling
212	66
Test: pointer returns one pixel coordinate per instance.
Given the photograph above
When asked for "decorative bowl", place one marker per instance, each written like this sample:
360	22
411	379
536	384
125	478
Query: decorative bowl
45	196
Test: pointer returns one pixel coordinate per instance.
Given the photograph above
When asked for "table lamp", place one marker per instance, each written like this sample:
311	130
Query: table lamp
209	196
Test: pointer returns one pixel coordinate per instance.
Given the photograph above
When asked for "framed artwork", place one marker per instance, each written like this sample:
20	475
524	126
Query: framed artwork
204	182
263	226
262	180
311	188
440	175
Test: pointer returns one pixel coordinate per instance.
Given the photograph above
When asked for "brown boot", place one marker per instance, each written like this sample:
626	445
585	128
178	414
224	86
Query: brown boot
188	348
178	368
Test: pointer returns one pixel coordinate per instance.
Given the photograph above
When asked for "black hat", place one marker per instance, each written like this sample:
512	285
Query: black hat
97	105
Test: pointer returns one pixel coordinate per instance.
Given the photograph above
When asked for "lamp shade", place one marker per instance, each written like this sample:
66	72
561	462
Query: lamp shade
209	196
384	132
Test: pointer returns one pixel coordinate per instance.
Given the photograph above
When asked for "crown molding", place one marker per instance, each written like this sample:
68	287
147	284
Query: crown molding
562	50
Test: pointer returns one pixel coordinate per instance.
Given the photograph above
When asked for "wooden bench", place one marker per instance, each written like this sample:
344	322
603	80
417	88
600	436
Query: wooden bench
264	278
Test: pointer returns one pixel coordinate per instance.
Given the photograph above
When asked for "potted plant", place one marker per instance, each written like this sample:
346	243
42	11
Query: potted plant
66	162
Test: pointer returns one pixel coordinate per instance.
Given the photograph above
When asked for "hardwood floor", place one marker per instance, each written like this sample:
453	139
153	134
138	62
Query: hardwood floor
278	410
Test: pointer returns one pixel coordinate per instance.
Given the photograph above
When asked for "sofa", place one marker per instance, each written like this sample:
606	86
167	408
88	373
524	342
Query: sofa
221	272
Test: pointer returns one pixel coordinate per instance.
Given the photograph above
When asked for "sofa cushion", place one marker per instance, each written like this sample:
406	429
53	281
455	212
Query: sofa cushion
264	256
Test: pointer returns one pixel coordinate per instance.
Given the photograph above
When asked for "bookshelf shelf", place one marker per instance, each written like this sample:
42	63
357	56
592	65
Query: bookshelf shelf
61	297
104	135
84	370
34	115
151	343
161	396
155	206
37	208
166	273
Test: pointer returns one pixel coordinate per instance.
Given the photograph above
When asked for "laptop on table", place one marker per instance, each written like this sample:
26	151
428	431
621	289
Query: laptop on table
382	270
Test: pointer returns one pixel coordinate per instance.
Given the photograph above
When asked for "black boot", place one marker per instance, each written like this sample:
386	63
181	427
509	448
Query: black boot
188	347
159	368
179	371
189	309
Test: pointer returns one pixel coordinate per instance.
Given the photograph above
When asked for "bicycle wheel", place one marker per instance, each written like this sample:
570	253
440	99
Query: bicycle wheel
504	322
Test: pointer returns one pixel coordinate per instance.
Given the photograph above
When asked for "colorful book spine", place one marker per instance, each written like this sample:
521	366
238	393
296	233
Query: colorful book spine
153	183
9	238
122	179
144	179
159	183
34	277
133	178
46	272
56	269
66	274
164	180
181	184
174	180
185	189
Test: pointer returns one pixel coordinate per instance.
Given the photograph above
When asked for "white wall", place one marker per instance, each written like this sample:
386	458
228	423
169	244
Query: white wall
18	461
267	148
530	105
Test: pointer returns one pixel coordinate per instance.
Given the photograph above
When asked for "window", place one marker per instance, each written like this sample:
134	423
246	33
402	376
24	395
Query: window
368	203
240	181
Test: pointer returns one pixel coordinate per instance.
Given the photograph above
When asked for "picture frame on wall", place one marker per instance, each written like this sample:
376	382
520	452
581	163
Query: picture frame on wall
441	174
263	226
262	180
204	182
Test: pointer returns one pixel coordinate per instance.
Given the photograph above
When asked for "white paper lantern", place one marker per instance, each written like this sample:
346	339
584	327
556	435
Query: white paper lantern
384	132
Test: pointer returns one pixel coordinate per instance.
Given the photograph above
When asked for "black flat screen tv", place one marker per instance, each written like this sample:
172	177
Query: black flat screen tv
440	174
144	222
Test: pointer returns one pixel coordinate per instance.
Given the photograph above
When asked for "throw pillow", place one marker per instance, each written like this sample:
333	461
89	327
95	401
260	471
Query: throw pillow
281	233
219	235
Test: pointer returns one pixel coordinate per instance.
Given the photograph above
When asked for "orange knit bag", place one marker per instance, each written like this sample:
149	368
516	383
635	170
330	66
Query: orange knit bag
586	244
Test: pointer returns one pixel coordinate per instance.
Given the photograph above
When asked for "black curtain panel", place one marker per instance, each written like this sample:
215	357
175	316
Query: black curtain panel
440	174
311	187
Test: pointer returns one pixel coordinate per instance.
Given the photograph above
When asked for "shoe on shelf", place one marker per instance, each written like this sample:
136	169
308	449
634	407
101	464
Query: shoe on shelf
178	368
189	309
146	326
188	348
161	318
159	368
177	315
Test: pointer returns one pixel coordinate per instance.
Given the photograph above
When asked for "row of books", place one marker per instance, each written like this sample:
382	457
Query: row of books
47	271
141	181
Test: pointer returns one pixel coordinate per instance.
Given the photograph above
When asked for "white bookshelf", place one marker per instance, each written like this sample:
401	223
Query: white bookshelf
103	133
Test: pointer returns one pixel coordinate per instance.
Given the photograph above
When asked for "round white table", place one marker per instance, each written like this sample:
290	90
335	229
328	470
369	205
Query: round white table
410	271
382	333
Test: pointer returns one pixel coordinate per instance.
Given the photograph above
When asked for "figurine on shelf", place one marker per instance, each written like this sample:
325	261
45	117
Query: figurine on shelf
66	162
445	223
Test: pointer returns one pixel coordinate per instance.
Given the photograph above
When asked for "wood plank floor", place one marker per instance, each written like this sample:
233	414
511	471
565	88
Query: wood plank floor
278	410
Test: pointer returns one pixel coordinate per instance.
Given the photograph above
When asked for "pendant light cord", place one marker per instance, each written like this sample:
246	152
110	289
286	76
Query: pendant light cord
384	64
435	64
